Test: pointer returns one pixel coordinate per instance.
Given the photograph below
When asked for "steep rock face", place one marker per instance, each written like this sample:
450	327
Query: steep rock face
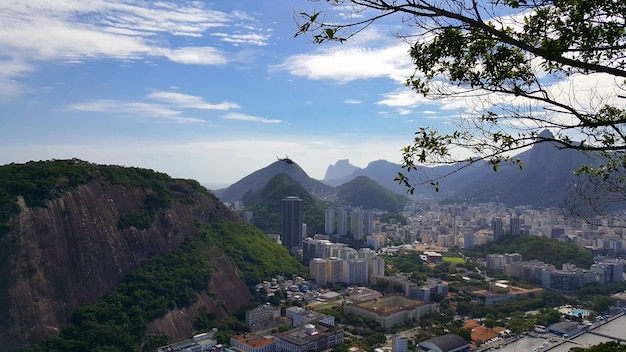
71	252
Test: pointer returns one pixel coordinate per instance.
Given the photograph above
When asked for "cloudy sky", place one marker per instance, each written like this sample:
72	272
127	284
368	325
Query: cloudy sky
201	90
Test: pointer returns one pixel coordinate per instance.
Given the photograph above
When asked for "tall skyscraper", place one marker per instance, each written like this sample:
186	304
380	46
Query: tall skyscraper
342	222
291	235
514	226
329	221
368	222
498	228
356	224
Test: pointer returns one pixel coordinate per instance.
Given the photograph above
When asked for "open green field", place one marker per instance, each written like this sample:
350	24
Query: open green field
453	260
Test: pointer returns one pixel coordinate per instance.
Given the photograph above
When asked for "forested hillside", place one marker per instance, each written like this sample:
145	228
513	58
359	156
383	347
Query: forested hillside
112	250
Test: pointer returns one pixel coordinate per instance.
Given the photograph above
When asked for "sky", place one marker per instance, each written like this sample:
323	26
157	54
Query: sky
210	91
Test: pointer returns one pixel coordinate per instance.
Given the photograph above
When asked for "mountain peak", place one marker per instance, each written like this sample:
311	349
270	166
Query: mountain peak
341	169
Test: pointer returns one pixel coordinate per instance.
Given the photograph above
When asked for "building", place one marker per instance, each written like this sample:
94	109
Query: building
431	287
499	261
567	280
399	343
368	222
375	266
316	248
250	342
291	235
309	338
514	226
391	310
198	343
468	241
329	221
342	222
318	270
445	343
355	271
334	270
497	227
432	257
356	224
300	316
565	329
261	314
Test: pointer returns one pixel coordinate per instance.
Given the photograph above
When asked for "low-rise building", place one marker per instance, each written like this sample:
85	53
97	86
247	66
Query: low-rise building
445	343
250	342
301	316
391	310
198	343
309	338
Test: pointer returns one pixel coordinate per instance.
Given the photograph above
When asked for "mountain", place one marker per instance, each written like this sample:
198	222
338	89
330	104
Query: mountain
339	170
266	205
364	192
542	182
96	254
259	179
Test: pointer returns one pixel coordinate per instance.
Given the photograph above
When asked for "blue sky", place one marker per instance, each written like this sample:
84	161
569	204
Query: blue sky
200	90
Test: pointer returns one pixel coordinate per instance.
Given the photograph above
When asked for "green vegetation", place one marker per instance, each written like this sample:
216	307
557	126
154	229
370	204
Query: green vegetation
255	255
266	205
612	346
455	260
38	181
367	193
548	250
118	322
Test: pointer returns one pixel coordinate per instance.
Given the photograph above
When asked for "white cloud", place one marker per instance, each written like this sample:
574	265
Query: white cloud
352	101
365	57
190	101
403	98
134	110
195	56
247	38
71	30
245	117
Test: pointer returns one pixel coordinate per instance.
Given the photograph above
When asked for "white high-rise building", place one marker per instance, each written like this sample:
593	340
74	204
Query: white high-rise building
342	222
329	221
356	224
368	222
318	269
400	343
355	271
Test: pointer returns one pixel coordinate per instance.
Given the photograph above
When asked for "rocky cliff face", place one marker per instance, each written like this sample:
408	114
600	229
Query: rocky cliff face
71	252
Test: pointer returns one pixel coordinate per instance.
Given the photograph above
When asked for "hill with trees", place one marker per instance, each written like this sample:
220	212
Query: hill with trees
545	249
111	250
266	205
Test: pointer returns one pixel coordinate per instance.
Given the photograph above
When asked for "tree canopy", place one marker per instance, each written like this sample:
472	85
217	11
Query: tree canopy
522	67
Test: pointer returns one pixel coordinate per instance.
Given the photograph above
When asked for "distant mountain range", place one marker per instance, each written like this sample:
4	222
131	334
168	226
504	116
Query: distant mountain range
542	182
